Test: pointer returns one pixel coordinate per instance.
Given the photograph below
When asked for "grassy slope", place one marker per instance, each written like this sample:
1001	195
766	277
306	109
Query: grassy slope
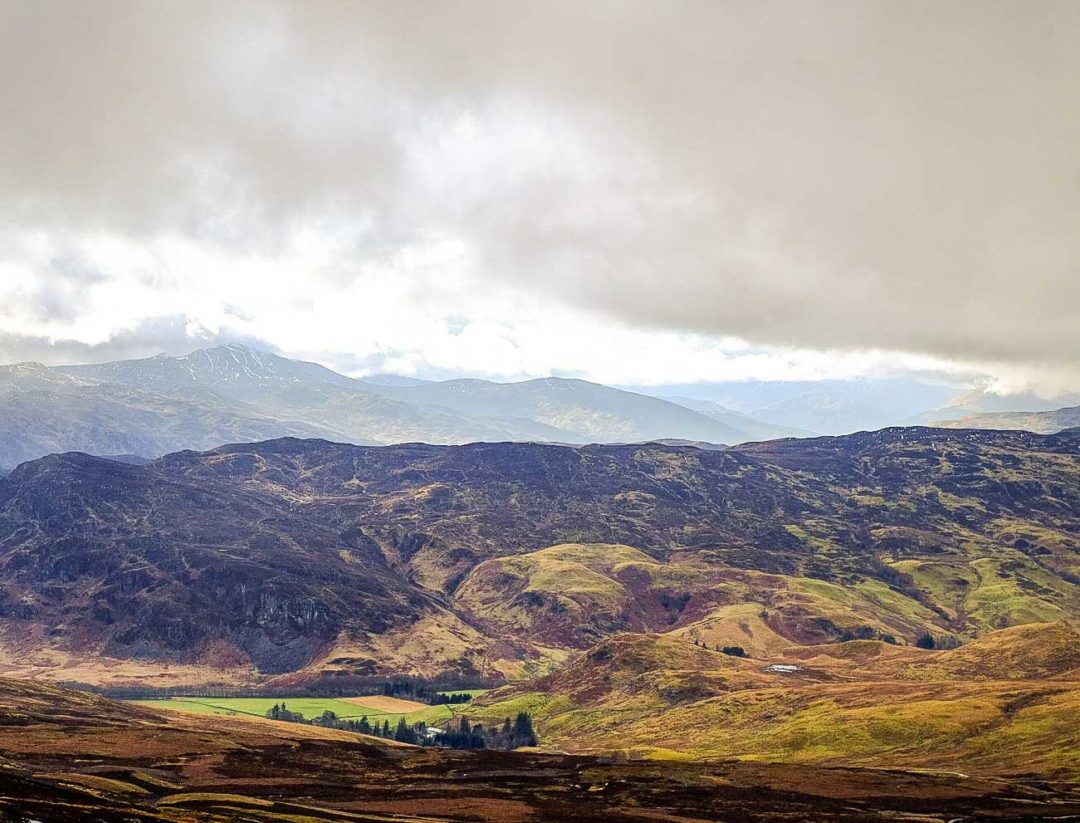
572	595
83	759
991	592
567	595
1005	703
1047	422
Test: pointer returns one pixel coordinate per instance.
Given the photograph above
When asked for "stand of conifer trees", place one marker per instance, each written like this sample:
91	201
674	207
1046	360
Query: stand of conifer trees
432	692
462	735
450	698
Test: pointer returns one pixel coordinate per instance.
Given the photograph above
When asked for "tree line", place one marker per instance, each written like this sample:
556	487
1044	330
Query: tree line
938	641
413	688
451	698
508	736
733	651
462	735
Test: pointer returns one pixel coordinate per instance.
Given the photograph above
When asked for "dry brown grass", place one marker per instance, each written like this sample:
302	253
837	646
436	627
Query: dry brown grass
387	705
97	760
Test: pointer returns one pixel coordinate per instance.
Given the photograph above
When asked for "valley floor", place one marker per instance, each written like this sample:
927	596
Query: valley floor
373	707
70	756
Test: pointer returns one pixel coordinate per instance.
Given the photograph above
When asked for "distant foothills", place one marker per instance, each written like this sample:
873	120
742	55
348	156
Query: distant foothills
142	409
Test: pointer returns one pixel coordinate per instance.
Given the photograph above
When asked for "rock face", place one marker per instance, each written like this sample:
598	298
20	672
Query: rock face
142	566
288	554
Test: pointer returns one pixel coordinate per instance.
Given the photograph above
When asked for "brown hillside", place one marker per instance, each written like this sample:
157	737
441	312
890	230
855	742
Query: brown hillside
1005	704
76	758
303	559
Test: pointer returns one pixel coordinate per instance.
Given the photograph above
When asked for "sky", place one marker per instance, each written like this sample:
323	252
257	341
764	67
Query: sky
630	192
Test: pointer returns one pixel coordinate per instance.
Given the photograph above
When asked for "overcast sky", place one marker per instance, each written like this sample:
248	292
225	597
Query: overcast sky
630	192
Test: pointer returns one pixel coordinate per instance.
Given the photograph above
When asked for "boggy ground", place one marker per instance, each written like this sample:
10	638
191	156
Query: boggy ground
69	756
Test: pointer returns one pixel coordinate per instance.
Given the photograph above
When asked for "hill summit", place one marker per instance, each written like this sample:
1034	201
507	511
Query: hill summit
234	393
317	560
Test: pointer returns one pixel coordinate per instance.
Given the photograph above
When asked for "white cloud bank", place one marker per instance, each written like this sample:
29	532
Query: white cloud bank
632	192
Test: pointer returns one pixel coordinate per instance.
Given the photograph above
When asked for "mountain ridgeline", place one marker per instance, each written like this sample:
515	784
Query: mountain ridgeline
233	393
315	562
1043	422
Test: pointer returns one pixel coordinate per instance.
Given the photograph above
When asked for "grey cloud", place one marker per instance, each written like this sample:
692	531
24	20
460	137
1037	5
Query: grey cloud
850	174
62	286
169	335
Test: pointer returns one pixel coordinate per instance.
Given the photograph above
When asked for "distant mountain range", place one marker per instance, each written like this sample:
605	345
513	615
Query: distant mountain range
977	401
758	428
233	393
844	406
1042	422
822	406
576	411
44	410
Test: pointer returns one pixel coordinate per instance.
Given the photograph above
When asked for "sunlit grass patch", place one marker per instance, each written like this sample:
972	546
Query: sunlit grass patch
309	707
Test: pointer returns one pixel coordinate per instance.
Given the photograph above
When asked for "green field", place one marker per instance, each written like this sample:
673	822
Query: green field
310	707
